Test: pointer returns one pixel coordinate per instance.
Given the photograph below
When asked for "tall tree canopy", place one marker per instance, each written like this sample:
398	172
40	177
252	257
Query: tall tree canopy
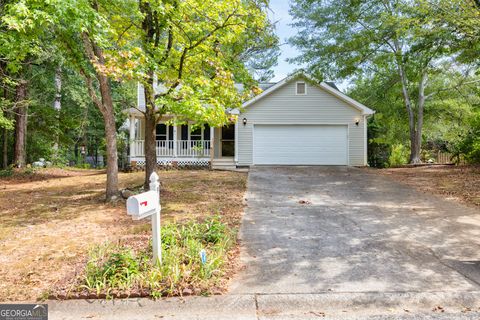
193	52
342	39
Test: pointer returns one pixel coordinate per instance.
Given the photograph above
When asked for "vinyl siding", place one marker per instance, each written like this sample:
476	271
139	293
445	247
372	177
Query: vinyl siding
283	106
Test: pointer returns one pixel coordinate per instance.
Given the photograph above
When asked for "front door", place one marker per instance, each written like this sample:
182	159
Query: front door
228	141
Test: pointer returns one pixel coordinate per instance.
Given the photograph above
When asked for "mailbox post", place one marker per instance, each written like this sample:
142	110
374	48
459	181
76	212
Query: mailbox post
147	204
156	241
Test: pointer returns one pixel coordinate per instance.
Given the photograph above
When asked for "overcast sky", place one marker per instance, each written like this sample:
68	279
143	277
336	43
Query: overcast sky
279	13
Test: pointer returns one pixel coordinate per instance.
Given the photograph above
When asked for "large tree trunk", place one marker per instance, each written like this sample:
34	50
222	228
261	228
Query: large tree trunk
20	124
112	164
105	105
110	136
415	146
416	149
150	134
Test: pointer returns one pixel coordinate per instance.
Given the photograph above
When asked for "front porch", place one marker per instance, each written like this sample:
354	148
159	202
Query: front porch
184	145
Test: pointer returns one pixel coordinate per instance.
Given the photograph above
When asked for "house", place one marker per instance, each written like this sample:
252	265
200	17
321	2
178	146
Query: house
296	121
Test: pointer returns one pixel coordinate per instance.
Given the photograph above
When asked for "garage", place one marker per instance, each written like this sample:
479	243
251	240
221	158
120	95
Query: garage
300	144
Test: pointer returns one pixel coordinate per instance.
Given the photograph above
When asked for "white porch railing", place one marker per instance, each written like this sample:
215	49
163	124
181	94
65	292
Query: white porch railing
170	148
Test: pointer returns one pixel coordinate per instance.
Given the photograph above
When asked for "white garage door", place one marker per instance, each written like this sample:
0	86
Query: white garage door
300	144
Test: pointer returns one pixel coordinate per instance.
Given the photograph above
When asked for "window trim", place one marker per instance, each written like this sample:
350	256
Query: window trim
296	88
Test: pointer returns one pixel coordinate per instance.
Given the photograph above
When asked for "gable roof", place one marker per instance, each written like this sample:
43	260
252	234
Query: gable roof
327	86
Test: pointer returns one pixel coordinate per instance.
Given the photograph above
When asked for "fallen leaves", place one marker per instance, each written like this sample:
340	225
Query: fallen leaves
305	202
459	183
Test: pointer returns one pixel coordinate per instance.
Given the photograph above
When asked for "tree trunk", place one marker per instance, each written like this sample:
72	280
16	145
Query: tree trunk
150	132
5	149
112	164
417	145
57	106
5	136
110	136
20	124
105	105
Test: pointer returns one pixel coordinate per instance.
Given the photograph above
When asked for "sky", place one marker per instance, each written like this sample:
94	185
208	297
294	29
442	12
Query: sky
279	13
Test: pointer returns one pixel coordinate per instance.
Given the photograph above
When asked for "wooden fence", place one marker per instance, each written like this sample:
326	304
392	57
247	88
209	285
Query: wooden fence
447	158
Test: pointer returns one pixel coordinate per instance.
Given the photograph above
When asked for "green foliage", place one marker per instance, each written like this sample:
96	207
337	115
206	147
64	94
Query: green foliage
6	172
446	116
470	145
413	53
113	268
398	155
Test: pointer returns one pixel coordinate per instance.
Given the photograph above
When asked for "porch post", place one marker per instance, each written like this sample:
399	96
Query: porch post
212	141
175	142
132	136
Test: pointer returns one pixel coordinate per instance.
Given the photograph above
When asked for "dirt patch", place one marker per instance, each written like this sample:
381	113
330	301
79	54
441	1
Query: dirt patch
49	220
458	183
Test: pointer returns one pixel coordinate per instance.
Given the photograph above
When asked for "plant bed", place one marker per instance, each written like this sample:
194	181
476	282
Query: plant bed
126	269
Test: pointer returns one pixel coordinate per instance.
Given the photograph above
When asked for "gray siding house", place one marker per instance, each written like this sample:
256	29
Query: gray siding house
293	122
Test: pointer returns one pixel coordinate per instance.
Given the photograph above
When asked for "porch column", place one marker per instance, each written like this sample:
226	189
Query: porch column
175	142
132	136
212	143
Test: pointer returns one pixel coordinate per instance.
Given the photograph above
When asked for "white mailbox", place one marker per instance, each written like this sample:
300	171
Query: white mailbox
143	205
148	204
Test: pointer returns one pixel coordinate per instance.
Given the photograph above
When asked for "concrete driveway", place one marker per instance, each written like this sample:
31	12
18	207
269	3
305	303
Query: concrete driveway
349	230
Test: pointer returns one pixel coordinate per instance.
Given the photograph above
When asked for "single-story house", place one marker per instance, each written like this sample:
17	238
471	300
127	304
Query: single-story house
296	121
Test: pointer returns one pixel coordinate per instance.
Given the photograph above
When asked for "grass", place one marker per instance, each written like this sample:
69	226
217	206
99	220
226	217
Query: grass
51	219
119	268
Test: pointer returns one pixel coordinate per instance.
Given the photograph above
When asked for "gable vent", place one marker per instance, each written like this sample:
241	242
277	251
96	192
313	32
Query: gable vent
301	88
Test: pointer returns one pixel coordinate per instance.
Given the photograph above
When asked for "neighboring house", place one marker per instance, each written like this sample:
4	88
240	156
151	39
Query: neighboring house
293	122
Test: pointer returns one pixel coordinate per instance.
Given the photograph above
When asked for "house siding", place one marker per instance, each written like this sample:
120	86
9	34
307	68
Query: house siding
284	106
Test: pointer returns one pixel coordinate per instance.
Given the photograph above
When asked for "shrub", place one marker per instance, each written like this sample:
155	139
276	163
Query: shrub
6	172
398	155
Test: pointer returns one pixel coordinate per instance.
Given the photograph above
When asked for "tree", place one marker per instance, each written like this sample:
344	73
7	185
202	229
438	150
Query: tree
447	116
19	49
81	30
186	50
461	18
341	39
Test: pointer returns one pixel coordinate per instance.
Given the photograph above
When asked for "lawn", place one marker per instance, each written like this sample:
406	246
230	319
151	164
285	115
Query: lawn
457	183
49	220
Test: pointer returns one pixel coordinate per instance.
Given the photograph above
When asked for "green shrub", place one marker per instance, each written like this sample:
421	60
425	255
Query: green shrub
398	155
470	146
6	172
83	166
113	267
